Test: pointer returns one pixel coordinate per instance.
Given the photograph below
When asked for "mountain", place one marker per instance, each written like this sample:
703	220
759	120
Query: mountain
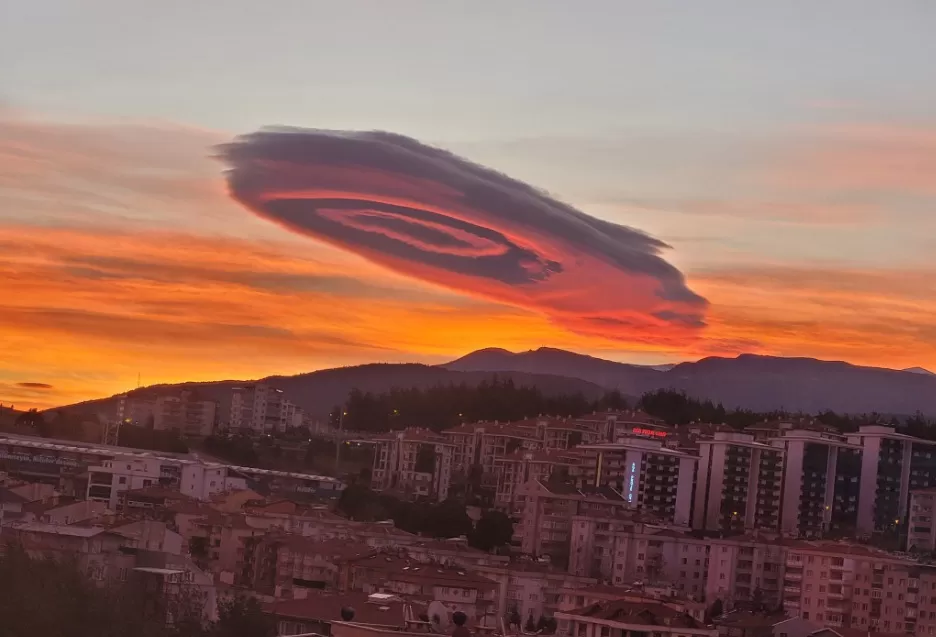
918	370
749	381
318	392
628	379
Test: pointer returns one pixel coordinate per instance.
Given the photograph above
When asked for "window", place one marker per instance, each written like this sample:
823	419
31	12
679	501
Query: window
122	480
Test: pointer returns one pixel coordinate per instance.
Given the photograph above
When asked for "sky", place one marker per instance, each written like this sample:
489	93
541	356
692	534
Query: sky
708	179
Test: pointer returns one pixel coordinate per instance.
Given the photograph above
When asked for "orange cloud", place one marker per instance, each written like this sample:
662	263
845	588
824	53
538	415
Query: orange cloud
868	317
85	311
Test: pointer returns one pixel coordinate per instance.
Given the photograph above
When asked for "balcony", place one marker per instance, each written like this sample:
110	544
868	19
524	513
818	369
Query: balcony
791	603
793	577
792	590
794	562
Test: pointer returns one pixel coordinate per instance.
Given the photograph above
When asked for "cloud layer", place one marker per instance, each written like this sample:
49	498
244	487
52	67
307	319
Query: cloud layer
428	214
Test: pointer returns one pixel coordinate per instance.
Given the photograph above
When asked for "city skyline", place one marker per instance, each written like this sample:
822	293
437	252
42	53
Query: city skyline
786	162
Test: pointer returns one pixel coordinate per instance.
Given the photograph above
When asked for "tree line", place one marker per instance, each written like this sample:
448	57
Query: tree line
41	596
445	406
445	519
677	408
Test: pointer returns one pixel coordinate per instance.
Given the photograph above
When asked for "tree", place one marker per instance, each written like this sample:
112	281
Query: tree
495	528
716	609
243	616
530	626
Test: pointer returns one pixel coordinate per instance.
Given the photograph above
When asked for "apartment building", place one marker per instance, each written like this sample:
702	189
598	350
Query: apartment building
858	587
739	484
821	483
183	412
458	588
747	568
521	466
656	479
413	462
281	565
260	409
611	426
547	511
921	530
532	589
892	465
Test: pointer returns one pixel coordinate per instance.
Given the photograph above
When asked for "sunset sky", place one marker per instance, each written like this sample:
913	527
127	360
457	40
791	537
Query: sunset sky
786	152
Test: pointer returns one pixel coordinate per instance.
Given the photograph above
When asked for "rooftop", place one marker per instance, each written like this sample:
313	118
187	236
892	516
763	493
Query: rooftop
628	612
326	607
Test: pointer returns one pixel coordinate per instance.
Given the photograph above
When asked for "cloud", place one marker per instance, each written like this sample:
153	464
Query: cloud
34	385
862	159
431	215
86	310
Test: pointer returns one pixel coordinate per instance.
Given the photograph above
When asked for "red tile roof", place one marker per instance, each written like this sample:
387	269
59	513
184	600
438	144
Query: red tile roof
326	607
643	613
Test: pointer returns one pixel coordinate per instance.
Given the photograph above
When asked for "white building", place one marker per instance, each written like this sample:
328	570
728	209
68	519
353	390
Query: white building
261	409
738	485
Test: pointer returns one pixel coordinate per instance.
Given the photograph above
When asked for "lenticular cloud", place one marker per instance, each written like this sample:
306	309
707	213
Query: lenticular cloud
426	213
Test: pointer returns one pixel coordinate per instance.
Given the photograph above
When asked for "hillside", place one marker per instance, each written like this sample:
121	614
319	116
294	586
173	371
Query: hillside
761	383
318	392
628	379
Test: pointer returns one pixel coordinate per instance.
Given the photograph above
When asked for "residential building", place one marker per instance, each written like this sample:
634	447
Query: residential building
260	409
75	467
746	568
521	466
413	462
183	412
547	511
625	618
656	479
738	486
746	623
921	529
892	465
315	612
284	565
458	588
835	584
821	483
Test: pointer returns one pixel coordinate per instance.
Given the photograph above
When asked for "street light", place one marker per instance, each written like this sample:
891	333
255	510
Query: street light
341	416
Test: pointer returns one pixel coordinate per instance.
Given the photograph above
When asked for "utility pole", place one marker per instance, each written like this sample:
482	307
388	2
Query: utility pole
341	415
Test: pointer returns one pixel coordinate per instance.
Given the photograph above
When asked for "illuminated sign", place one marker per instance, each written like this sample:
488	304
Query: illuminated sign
630	486
649	432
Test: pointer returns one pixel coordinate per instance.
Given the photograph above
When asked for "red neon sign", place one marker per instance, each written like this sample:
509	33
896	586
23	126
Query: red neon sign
649	432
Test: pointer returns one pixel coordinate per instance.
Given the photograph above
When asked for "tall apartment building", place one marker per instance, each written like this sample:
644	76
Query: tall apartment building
415	462
738	485
182	412
261	409
651	477
521	466
892	465
821	483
